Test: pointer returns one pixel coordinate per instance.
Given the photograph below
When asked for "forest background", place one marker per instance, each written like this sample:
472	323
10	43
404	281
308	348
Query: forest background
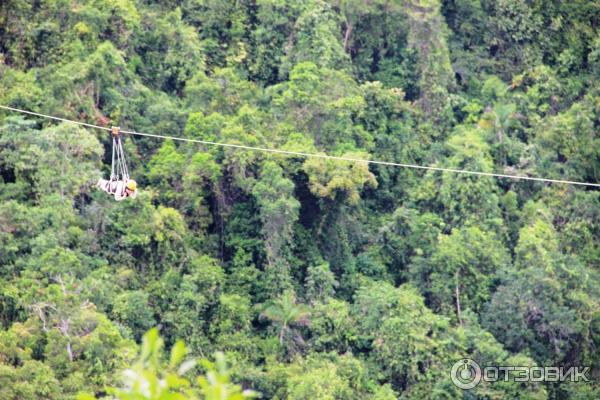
317	279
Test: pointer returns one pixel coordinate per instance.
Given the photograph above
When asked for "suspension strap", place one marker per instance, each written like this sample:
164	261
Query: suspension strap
113	175
124	169
119	168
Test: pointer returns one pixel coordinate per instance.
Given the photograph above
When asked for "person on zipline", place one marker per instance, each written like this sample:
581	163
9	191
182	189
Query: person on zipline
119	183
121	189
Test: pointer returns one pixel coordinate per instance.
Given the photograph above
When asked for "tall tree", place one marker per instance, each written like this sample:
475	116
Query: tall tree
278	212
427	35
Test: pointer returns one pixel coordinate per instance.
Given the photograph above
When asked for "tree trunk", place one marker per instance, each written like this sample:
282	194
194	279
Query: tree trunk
70	351
457	294
347	35
281	333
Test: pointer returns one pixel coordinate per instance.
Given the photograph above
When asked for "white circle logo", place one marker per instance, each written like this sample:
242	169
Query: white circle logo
466	374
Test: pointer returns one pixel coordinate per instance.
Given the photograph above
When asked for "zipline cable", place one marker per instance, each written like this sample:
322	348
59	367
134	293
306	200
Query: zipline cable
314	155
55	118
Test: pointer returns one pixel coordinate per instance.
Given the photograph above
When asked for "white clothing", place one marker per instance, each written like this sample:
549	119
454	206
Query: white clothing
115	187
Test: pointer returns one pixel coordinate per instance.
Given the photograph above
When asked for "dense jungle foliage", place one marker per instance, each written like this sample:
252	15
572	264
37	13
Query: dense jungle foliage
293	277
